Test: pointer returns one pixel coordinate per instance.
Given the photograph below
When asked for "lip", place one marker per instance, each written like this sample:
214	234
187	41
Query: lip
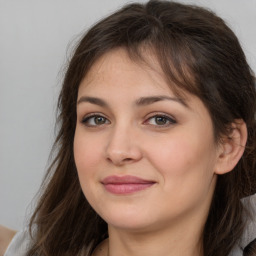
125	184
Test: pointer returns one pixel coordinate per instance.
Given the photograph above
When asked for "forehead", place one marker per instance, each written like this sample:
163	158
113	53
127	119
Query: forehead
117	77
118	68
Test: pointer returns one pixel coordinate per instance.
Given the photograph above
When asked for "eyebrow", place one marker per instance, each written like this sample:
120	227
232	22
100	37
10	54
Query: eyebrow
143	101
152	99
92	100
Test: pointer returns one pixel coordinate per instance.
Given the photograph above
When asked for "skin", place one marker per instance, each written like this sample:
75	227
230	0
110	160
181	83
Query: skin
6	236
168	141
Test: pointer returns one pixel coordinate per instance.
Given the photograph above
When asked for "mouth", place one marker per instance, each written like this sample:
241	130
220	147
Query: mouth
126	184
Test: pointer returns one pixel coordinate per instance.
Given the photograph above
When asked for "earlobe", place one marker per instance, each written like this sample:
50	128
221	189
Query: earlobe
232	147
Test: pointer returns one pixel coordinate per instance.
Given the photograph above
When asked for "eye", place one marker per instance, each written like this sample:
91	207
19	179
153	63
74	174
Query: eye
160	120
95	120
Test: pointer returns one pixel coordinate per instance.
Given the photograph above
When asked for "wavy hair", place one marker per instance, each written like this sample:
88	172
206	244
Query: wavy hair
199	54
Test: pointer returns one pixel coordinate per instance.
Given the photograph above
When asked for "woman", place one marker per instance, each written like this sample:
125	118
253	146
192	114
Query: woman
156	146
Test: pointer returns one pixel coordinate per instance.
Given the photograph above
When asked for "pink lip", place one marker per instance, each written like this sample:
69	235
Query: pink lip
125	184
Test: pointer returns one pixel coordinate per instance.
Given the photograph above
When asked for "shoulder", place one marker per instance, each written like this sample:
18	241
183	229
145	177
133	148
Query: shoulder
19	244
250	219
6	236
249	235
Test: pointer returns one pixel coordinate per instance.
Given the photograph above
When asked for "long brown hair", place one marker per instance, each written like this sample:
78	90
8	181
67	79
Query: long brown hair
250	249
198	53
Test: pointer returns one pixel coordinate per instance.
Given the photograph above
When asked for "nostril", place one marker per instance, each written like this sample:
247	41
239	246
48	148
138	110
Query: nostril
119	161
122	153
127	159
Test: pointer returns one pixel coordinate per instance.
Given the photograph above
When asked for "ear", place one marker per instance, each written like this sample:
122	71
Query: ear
232	147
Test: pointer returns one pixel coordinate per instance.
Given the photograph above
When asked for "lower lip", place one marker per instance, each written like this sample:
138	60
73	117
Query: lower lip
122	189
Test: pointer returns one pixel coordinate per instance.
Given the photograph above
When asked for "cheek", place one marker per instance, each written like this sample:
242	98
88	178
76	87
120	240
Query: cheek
184	157
186	168
87	154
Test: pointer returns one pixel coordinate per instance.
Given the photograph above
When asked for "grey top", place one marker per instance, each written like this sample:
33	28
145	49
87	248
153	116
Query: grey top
20	242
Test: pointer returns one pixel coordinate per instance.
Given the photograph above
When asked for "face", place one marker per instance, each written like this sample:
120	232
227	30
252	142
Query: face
145	158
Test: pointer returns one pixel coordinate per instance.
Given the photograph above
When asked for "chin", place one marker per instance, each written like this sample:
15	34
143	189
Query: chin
133	221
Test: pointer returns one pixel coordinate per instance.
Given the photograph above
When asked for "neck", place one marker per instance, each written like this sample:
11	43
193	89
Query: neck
171	242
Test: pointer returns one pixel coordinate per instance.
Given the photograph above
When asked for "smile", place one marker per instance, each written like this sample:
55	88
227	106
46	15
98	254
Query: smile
125	184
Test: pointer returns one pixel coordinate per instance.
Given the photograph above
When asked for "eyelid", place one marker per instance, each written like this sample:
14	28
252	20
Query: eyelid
87	117
171	119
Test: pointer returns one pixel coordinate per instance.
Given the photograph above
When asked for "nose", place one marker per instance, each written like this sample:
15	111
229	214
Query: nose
123	146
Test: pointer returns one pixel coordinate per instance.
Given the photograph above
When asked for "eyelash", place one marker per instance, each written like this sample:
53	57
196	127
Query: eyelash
169	120
92	117
87	119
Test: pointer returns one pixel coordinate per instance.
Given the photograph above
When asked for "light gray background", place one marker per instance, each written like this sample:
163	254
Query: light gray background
35	39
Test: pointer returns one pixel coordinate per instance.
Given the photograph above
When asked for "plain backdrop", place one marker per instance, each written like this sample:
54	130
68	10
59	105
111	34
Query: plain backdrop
36	38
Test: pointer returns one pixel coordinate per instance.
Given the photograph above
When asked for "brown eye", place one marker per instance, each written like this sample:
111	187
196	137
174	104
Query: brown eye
95	120
160	120
99	120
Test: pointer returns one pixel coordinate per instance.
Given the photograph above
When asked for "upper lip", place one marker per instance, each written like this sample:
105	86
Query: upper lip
127	179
